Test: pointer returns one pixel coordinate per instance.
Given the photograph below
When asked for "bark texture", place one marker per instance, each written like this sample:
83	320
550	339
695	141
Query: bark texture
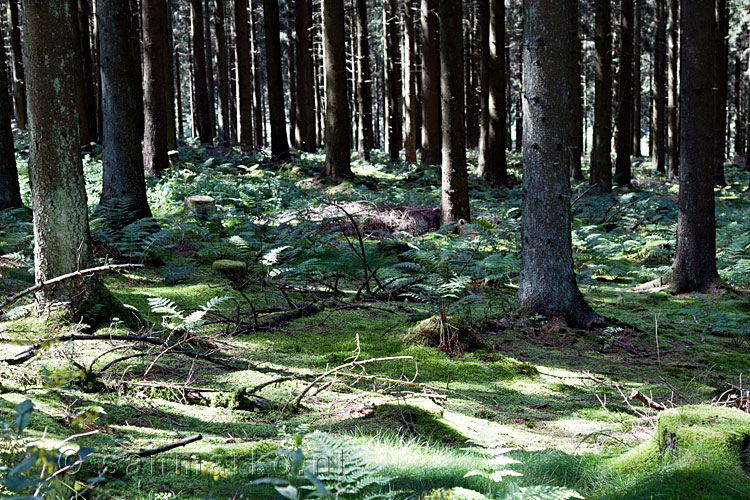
431	114
575	111
61	233
659	120
338	125
122	156
222	71
673	98
410	83
721	83
637	26
454	194
279	140
694	268
547	283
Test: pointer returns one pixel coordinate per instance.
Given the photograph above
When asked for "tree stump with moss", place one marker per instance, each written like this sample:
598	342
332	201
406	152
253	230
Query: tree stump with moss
199	204
450	334
234	270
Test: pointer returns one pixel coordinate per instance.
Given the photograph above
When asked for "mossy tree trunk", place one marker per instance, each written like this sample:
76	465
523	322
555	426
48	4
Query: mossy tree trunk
61	233
547	283
454	193
694	268
122	156
338	125
431	114
279	140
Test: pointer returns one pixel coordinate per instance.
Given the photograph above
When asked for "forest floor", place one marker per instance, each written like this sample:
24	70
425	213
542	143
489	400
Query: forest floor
336	274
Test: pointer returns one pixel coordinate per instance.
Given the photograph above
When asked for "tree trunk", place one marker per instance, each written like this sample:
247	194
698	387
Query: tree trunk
492	164
519	102
471	114
547	283
61	233
259	113
410	83
222	70
180	132
305	124
208	45
721	84
292	67
155	55
694	267
137	47
279	142
87	66
170	82
601	161
431	114
454	195
16	57
623	174
10	193
200	84
739	94
338	126
122	157
394	136
575	112
659	121
244	77
364	81
637	23
673	99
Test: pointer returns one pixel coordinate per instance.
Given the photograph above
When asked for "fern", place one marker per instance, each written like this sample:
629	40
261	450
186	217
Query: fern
176	319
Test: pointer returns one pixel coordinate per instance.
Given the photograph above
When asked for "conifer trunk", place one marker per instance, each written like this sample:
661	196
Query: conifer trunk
275	81
601	161
431	114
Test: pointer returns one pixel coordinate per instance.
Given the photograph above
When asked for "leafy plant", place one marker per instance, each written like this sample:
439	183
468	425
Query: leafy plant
177	319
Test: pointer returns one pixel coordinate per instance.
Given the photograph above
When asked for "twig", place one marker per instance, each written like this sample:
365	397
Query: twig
170	446
583	194
44	284
647	401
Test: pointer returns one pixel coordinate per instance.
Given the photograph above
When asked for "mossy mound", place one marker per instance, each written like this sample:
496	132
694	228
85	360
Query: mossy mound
450	334
693	435
101	308
232	269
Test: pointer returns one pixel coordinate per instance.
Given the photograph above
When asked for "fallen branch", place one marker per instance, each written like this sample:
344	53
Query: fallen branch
167	447
77	274
647	401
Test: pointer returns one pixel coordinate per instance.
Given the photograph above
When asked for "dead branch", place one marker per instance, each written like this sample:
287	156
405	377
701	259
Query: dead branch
170	446
647	401
77	274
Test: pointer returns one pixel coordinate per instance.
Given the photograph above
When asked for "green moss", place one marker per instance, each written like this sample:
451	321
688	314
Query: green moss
437	332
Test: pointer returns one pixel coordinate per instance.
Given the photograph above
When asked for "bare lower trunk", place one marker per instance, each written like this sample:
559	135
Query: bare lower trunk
364	81
547	283
394	135
200	84
492	162
720	83
155	55
338	126
279	140
694	268
305	124
16	57
659	121
244	76
575	112
10	194
601	160
623	174
454	194
222	72
673	99
122	156
637	23
431	115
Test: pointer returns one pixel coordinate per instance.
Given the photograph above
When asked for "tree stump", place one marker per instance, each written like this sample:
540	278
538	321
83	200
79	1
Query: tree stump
199	204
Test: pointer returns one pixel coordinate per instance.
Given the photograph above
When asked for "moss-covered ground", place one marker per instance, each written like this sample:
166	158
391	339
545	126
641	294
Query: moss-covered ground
555	395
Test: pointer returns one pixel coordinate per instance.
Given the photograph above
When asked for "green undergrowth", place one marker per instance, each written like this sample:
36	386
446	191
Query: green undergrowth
550	393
